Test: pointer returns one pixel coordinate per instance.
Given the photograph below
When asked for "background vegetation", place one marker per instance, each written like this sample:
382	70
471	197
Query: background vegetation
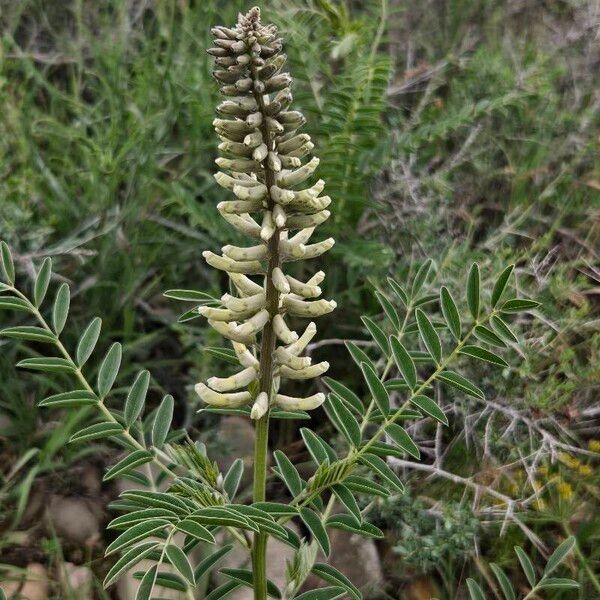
460	131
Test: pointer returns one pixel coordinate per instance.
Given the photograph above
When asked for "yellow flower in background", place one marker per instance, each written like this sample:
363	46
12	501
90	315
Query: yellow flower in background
585	470
594	445
565	490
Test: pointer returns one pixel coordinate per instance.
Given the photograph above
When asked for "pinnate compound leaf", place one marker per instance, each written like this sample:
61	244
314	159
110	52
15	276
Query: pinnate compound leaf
224	354
314	524
473	292
332	575
376	387
500	284
404	362
179	560
162	421
109	369
60	309
41	282
136	398
429	336
483	354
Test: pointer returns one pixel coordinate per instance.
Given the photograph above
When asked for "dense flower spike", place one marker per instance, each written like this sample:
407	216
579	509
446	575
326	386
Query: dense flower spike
275	205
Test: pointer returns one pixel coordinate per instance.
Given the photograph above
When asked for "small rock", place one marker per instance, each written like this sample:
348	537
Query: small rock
78	580
33	585
237	435
75	519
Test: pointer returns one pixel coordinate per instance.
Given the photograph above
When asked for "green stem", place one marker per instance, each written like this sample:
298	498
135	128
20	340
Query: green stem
259	548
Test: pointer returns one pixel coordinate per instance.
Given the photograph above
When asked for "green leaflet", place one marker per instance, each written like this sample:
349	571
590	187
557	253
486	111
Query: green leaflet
29	333
376	387
42	281
344	420
88	341
233	477
319	449
500	284
288	473
389	310
345	394
526	565
459	382
12	303
129	560
473	294
135	534
96	432
134	403
349	523
130	462
429	336
380	467
358	356
60	309
483	354
475	591
421	277
314	524
345	496
450	312
559	555
429	407
244	577
162	421
138	516
70	399
8	266
207	563
401	438
147	584
224	354
179	560
189	296
485	334
503	582
332	575
109	369
399	291
377	334
326	593
518	304
404	362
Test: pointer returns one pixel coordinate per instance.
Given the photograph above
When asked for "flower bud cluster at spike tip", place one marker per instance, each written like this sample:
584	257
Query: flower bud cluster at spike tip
277	204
